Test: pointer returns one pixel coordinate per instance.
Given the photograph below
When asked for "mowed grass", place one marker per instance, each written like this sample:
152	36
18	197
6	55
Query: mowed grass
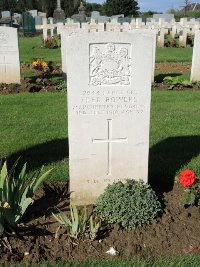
34	126
186	261
164	54
32	47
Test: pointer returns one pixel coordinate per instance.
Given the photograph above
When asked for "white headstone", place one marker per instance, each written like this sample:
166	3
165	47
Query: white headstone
9	56
65	33
95	14
109	91
113	26
51	26
183	21
44	28
183	38
42	14
5	14
161	38
195	71
60	27
138	23
34	13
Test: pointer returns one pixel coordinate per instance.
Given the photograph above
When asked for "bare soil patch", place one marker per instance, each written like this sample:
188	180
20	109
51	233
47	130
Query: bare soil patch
162	70
39	238
173	67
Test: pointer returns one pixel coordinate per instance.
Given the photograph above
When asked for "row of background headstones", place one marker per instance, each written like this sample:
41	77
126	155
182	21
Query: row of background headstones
34	13
9	45
183	28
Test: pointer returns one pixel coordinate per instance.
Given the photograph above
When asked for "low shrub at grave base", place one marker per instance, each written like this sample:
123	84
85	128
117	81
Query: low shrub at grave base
130	204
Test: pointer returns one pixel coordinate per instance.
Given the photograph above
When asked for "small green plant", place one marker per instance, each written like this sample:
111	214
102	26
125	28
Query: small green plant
16	194
62	86
130	204
197	84
176	82
93	228
77	224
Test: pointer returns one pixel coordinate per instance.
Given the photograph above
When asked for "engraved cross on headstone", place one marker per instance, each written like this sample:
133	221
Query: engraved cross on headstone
109	140
5	64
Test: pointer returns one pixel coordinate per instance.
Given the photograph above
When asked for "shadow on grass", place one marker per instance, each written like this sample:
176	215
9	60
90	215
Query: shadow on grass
167	157
160	77
41	154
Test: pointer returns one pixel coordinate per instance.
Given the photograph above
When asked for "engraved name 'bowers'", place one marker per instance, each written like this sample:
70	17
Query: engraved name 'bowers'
110	64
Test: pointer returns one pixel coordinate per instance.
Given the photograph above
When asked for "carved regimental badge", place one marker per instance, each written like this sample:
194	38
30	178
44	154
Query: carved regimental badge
110	64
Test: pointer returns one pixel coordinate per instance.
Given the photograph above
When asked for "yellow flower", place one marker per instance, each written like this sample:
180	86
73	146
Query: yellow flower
44	64
35	63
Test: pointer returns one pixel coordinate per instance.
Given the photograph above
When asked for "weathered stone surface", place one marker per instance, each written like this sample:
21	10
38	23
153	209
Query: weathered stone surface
195	70
109	89
9	56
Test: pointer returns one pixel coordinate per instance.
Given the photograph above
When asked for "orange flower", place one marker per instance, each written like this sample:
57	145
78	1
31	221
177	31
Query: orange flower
35	63
44	64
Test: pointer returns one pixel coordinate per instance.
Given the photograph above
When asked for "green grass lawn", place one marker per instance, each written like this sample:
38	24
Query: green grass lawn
34	126
174	54
186	261
31	47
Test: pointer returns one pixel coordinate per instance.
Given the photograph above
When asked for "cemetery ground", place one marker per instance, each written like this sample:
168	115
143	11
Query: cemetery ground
174	62
172	239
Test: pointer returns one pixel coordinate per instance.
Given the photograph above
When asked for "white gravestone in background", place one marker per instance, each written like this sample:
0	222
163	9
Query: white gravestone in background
109	90
65	33
9	56
195	70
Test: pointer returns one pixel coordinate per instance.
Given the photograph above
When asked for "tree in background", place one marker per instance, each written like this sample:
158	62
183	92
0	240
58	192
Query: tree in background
172	11
126	7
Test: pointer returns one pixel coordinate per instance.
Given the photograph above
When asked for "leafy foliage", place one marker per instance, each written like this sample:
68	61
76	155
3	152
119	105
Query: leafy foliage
62	86
126	7
130	204
93	228
176	82
78	224
16	194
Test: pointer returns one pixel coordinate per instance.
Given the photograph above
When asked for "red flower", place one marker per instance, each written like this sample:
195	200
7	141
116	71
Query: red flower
187	178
